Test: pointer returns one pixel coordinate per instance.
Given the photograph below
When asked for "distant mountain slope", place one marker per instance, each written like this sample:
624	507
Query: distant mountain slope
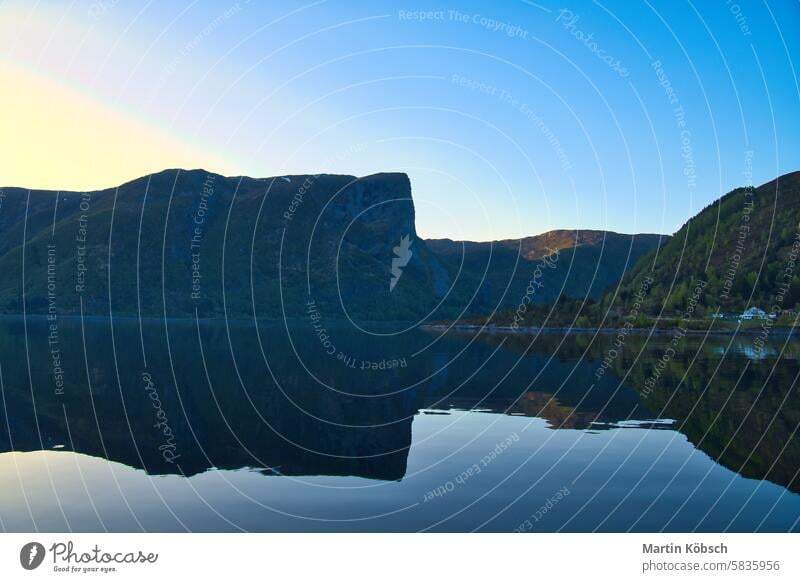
542	268
740	247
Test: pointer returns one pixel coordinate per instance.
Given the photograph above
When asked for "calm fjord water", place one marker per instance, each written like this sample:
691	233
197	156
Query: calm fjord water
205	426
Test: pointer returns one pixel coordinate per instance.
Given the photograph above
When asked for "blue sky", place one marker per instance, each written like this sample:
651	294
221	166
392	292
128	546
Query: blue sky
512	118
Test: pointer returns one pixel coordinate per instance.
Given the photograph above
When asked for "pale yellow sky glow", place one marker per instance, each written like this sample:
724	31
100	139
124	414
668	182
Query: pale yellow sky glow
54	137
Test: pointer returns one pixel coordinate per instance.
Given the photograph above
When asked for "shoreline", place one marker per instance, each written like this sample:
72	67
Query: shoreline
181	318
470	328
529	330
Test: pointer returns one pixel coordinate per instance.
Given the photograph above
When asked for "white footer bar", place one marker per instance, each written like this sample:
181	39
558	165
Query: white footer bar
355	557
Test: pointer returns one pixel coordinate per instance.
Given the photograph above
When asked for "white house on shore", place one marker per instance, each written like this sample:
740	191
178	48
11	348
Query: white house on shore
755	313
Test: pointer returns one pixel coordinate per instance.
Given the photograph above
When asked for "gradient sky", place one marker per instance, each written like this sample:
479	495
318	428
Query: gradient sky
507	118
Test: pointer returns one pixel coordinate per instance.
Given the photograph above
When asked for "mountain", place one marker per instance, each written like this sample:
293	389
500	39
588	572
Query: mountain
542	268
183	242
179	242
739	251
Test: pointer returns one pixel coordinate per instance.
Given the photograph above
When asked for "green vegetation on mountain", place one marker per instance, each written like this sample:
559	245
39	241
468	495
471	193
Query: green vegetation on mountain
740	252
743	247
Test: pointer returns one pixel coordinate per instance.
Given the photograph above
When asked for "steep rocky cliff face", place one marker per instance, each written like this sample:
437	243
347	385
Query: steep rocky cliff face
180	242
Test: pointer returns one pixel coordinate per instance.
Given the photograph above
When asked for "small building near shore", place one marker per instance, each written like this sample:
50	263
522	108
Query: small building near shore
755	313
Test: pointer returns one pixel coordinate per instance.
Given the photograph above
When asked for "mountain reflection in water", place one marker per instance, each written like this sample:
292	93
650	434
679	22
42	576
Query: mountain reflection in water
183	397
